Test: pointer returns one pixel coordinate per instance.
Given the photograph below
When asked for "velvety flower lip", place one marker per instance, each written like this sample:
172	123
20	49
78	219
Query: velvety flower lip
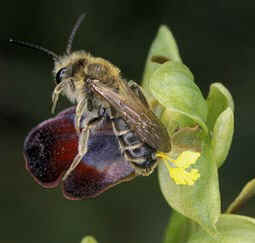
51	146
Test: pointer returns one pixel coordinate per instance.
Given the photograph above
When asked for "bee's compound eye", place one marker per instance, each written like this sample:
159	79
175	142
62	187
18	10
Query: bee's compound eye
60	75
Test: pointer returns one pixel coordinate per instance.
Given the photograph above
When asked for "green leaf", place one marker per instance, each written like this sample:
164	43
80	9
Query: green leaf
222	136
163	47
88	239
200	202
247	192
231	228
218	100
178	229
173	87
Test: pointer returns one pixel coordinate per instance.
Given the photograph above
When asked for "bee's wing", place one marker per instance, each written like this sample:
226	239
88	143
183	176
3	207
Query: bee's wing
139	117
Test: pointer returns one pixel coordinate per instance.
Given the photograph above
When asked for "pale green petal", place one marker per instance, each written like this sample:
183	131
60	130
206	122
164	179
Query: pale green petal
222	136
173	87
218	100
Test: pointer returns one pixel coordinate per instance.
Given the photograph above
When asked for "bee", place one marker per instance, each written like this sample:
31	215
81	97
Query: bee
100	92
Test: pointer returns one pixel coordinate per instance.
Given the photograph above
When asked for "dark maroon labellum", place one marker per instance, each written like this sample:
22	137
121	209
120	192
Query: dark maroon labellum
51	146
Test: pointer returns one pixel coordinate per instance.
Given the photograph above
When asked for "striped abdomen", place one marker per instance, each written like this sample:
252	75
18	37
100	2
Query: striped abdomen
139	154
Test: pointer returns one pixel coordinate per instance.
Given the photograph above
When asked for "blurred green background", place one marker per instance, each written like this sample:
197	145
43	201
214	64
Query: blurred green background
216	40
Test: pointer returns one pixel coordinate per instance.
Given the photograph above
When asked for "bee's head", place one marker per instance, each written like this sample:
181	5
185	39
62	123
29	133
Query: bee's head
69	71
69	66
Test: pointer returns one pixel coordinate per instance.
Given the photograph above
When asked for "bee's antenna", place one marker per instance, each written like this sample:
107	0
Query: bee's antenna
74	30
36	47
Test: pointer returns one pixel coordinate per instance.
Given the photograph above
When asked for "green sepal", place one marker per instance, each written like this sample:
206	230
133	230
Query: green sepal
164	45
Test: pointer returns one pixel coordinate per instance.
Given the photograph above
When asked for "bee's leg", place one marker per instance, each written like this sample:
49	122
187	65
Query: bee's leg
138	90
82	149
119	126
120	130
83	144
80	108
109	112
57	91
